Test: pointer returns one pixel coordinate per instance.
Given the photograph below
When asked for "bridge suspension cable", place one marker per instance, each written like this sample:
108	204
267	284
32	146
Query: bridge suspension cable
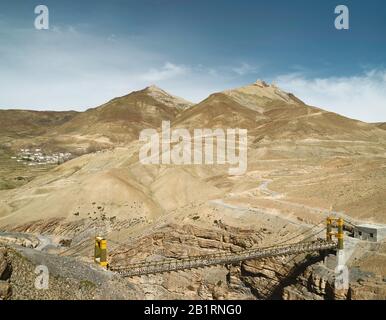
302	233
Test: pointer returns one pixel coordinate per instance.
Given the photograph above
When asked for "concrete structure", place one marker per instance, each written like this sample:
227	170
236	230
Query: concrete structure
370	232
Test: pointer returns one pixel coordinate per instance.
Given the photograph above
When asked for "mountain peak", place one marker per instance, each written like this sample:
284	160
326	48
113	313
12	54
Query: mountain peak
166	98
154	88
257	94
261	84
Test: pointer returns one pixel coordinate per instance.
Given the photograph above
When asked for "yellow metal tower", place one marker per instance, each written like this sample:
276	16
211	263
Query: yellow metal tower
100	253
337	223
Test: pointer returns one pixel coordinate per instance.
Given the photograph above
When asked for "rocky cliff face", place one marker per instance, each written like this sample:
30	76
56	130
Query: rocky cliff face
174	241
5	273
255	279
317	283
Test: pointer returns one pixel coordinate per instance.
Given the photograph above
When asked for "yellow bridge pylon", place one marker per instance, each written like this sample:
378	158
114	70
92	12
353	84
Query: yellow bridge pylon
100	253
335	223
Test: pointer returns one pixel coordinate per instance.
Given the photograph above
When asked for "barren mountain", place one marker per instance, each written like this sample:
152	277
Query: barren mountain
115	122
271	114
121	119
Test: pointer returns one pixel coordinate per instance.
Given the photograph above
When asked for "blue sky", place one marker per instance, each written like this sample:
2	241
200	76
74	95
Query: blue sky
96	50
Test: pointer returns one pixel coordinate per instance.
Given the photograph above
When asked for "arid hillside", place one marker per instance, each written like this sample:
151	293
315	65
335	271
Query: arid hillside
303	164
381	125
273	115
21	123
282	132
121	119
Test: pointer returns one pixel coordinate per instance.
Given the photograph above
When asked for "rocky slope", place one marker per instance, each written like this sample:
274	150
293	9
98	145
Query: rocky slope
317	283
5	272
68	279
381	125
18	123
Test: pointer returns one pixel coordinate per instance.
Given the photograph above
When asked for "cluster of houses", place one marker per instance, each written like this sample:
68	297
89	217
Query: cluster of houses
37	156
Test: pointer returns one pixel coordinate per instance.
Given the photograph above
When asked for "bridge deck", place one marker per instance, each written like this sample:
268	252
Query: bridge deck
168	265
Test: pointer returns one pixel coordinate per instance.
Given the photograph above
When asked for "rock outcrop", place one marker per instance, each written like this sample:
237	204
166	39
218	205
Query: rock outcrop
317	282
5	273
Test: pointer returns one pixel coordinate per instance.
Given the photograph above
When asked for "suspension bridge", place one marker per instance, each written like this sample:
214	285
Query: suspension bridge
228	258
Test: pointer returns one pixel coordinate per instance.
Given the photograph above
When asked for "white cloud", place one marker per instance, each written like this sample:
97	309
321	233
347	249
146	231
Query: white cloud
244	69
168	71
361	97
66	68
70	67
